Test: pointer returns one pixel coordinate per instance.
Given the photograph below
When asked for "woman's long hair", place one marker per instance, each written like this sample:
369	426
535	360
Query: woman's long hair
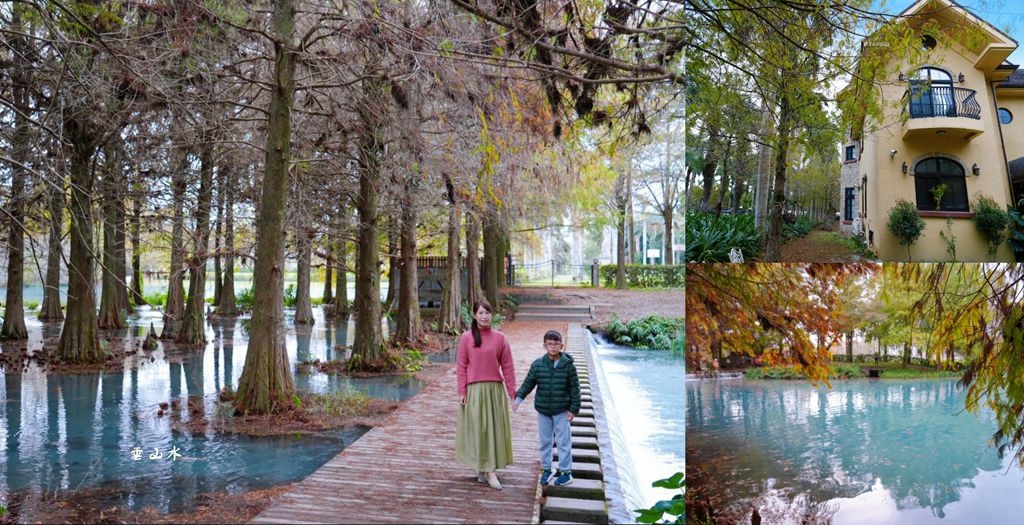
473	326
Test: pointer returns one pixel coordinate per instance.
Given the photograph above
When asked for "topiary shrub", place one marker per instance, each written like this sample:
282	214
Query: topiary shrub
991	221
905	223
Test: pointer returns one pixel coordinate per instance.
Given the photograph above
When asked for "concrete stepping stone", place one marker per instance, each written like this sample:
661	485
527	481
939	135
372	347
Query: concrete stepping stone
579	489
587	471
584	442
576	510
582	455
582	422
583	432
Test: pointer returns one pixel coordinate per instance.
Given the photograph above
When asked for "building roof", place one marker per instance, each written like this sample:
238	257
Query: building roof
1016	80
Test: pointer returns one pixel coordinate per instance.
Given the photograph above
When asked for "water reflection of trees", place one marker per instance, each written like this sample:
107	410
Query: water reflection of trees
912	436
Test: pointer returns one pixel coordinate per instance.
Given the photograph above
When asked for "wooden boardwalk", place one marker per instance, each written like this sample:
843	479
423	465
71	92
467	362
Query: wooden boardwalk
404	470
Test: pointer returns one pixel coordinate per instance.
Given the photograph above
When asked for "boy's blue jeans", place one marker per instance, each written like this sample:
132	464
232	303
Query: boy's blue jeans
557	426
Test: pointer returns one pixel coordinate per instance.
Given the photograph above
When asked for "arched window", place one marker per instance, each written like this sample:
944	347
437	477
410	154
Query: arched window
933	172
931	93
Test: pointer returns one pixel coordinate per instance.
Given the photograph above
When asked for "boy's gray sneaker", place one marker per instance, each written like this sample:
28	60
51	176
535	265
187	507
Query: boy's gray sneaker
564	478
545	476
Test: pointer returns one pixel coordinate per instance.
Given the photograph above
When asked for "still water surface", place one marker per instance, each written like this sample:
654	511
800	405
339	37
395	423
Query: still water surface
69	432
865	452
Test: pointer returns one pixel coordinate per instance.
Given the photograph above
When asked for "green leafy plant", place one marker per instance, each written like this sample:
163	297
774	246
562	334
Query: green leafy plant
156	299
645	275
1016	234
905	223
245	299
289	296
709	238
645	333
297	401
991	221
675	507
798	228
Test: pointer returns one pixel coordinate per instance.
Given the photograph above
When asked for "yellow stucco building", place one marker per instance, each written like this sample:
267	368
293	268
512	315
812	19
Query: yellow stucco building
954	121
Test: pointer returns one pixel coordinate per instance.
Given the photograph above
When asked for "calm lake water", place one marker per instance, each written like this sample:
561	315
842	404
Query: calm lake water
642	393
69	432
865	452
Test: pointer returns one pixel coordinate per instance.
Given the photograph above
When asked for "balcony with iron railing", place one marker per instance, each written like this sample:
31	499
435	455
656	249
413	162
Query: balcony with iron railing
941	111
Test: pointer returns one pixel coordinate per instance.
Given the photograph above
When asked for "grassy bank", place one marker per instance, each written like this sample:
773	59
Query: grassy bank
852	371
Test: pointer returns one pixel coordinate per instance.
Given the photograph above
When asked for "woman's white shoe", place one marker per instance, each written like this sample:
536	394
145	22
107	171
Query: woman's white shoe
492	480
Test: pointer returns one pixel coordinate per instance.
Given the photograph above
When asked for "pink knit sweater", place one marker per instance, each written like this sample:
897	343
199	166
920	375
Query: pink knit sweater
491	361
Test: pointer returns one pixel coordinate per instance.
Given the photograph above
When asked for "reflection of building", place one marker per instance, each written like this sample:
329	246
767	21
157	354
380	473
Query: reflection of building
953	125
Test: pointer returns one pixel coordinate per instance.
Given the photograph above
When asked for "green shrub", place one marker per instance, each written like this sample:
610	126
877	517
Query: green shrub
289	296
991	221
709	239
651	332
31	305
245	299
798	228
645	275
157	299
905	223
1016	234
839	371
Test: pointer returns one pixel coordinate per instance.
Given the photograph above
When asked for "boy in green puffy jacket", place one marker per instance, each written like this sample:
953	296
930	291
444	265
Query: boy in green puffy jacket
557	402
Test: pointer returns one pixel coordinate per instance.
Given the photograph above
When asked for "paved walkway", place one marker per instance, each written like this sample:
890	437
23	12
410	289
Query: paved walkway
404	470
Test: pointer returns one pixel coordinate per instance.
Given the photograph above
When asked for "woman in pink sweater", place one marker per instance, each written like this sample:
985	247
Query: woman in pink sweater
487	381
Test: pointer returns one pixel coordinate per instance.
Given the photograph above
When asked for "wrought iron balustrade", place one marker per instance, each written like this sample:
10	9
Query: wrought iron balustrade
941	101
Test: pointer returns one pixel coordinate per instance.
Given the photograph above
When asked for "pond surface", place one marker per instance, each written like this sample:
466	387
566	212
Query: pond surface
66	432
864	452
642	394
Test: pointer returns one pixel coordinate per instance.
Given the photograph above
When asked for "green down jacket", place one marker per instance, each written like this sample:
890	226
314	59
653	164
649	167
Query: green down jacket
558	387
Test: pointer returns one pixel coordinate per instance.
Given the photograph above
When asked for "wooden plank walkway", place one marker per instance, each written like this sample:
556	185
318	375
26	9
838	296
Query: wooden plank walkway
404	470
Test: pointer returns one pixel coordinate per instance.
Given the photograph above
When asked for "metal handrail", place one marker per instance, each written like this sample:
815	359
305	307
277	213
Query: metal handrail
941	101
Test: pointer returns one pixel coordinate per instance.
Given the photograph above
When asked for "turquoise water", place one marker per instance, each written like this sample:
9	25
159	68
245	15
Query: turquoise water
69	432
642	393
871	452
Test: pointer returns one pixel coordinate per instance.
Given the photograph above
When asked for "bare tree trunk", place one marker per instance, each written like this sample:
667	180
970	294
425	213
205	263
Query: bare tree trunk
266	382
110	312
620	241
193	327
341	286
773	244
492	242
393	263
227	305
368	346
137	296
630	221
218	238
849	345
667	216
764	170
449	319
175	307
328	296
79	338
303	304
473	289
14	310
51	309
409	323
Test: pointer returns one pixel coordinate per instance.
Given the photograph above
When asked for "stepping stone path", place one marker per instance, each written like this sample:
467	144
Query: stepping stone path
548	312
583	500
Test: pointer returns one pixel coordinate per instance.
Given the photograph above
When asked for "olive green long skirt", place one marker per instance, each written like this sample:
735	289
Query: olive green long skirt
483	434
